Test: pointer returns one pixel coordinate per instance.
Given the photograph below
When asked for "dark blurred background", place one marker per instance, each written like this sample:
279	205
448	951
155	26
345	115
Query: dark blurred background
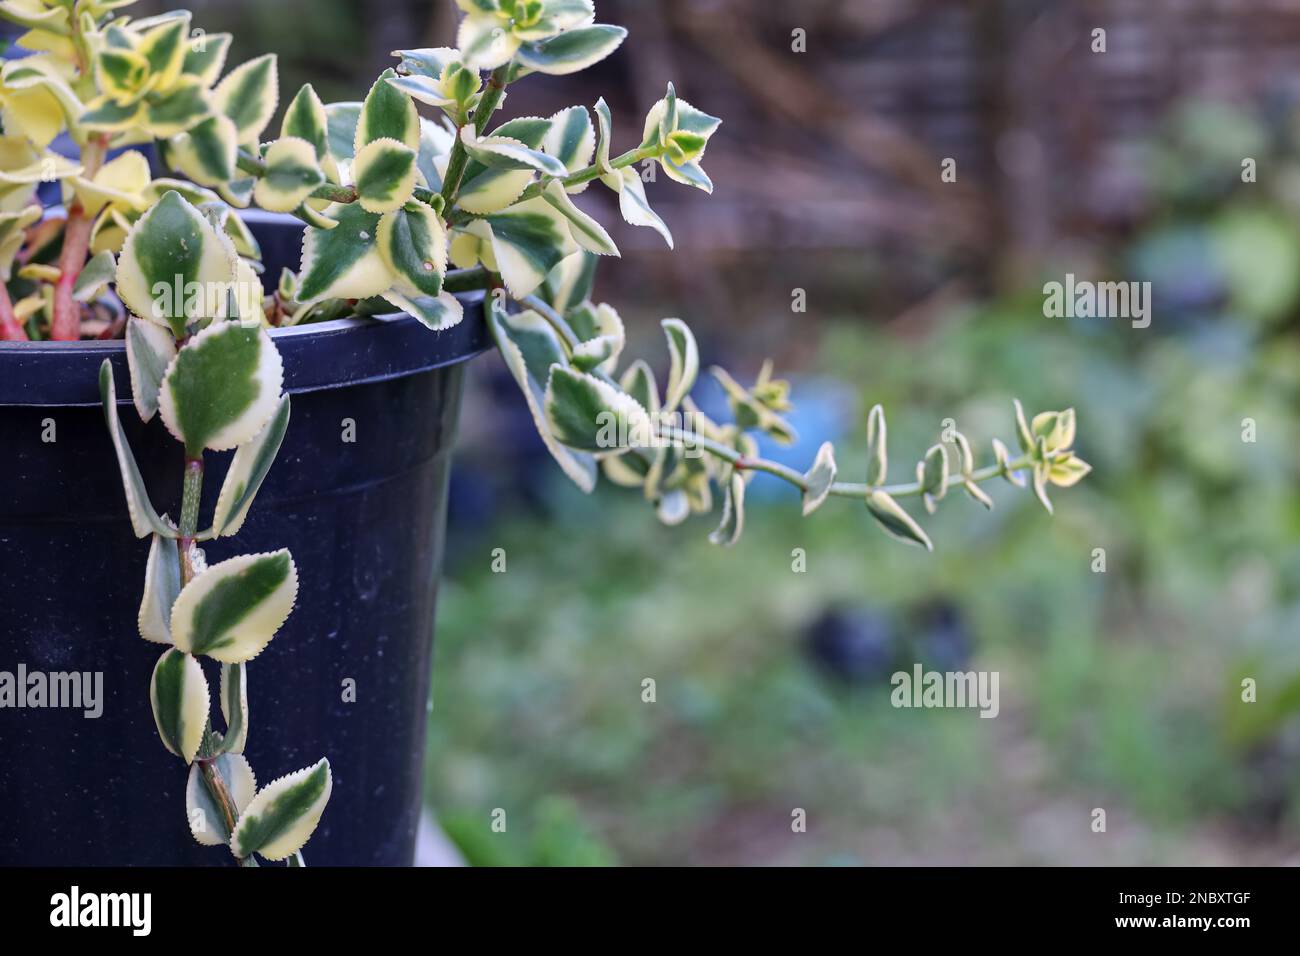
1120	689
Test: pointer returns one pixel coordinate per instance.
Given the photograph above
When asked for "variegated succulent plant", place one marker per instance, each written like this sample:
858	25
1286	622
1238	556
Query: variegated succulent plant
392	201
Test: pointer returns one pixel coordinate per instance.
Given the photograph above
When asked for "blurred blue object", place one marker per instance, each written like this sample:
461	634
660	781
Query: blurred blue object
824	409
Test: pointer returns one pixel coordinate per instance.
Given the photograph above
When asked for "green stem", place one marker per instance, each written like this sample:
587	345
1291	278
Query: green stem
459	158
843	489
191	496
554	320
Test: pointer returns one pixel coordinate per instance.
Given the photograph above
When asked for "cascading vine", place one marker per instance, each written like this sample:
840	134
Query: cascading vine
215	389
391	201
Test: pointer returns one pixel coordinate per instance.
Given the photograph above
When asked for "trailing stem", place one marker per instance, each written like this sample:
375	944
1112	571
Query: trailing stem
842	489
191	496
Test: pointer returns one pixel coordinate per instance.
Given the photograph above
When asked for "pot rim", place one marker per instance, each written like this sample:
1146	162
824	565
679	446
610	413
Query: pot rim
322	355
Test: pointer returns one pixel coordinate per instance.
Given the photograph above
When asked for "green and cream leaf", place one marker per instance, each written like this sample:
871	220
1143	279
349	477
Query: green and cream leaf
530	348
586	231
178	692
171	250
386	113
819	478
231	611
384	173
234	708
222	387
248	95
284	814
248	469
162	584
732	525
343	262
889	514
572	50
685	358
144	519
591	415
292	174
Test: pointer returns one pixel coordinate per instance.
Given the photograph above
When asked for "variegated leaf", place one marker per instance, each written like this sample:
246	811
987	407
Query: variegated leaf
284	814
485	41
428	62
162	583
178	692
632	201
222	387
570	282
932	475
248	95
500	151
589	414
238	192
305	118
95	277
491	190
231	611
732	525
586	231
143	517
234	707
685	356
528	240
178	111
163	47
342	126
343	262
434	312
292	174
248	469
384	173
207	822
889	514
205	56
820	477
572	140
530	348
572	50
387	113
150	349
413	243
877	447
171	249
601	337
121	182
13	234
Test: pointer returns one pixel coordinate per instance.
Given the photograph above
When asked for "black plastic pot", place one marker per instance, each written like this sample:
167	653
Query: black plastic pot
364	521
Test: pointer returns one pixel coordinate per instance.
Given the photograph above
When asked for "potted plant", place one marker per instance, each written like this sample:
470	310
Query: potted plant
332	351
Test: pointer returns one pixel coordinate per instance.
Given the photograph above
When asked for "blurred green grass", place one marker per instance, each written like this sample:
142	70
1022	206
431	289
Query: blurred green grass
1117	688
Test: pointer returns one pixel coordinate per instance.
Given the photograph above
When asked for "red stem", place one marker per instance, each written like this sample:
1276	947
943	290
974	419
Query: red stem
11	330
66	323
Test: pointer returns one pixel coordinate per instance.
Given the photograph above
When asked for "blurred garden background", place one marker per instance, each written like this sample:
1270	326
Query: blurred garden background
1119	689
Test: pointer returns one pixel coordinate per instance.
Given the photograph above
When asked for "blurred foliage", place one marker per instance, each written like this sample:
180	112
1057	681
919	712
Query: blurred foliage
1119	689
